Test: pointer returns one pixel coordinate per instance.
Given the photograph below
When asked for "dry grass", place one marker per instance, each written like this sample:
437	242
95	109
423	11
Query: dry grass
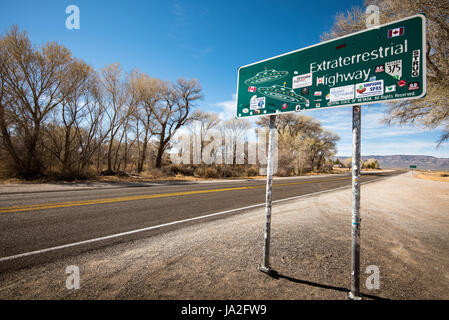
21	181
152	176
156	178
432	175
340	170
148	178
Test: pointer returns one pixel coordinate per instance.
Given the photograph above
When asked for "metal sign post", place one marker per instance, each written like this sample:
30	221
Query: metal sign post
265	267
413	167
385	63
355	251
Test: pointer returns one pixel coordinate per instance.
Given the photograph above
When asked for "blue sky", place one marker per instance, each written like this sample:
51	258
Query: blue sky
209	40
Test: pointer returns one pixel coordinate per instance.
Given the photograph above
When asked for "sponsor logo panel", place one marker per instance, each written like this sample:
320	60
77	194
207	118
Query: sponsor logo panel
257	103
413	86
368	89
303	80
379	68
341	93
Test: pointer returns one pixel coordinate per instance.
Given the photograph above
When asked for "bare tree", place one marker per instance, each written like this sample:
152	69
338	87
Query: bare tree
201	125
90	131
301	142
113	95
320	146
150	92
61	138
174	112
34	81
234	132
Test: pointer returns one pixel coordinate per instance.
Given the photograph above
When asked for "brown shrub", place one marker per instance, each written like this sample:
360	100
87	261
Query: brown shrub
211	173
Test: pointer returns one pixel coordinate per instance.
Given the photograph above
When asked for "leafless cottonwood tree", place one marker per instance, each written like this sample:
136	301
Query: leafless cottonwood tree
302	142
34	81
113	96
150	92
60	136
433	110
202	124
57	113
174	111
234	131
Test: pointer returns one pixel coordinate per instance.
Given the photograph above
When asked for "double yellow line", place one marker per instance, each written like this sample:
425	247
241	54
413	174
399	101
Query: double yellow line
143	197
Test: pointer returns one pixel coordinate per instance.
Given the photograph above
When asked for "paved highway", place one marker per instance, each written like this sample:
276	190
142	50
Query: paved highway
41	226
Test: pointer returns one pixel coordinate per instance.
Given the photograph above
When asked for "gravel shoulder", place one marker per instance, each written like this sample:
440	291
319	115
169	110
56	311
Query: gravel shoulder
405	223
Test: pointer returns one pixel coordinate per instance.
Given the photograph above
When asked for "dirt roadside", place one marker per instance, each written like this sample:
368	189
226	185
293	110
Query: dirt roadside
404	232
19	186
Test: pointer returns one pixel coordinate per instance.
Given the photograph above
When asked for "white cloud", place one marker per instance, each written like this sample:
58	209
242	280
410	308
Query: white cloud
229	107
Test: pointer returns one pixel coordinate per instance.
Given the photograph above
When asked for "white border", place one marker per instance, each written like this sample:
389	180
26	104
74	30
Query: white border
423	54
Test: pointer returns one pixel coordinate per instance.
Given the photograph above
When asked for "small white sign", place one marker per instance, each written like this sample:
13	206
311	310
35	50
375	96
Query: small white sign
415	63
257	103
341	93
394	69
368	89
301	81
389	89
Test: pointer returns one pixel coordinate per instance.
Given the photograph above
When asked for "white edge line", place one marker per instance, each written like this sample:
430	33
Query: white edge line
26	254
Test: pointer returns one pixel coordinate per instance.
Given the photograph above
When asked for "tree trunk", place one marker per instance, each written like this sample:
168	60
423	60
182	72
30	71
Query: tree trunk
142	156
160	148
110	156
160	152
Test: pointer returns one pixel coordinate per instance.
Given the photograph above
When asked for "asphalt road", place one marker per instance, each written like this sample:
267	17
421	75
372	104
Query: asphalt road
31	223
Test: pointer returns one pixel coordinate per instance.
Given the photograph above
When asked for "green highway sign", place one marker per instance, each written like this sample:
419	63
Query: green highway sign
412	167
385	63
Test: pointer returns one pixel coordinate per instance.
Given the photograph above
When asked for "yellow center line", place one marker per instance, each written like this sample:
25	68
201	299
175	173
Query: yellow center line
142	197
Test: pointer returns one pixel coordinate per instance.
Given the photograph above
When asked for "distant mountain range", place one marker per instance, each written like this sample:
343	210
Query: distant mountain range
405	161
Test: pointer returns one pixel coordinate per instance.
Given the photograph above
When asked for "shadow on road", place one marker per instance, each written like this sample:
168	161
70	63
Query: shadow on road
276	275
